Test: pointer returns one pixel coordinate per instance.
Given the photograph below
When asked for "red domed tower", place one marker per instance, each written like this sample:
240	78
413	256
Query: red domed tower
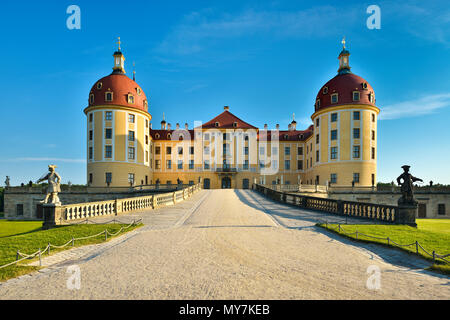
118	139
345	130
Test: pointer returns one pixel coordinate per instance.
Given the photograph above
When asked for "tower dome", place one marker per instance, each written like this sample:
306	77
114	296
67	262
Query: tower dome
345	88
118	89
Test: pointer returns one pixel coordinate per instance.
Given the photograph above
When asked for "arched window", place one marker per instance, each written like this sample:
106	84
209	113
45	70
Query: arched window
91	98
325	90
99	85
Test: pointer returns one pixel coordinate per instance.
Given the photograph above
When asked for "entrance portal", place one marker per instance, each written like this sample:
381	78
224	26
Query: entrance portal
206	184
245	184
226	183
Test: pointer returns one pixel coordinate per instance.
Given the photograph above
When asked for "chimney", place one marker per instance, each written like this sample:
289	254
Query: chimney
226	108
168	126
265	126
289	127
178	126
278	126
294	125
186	126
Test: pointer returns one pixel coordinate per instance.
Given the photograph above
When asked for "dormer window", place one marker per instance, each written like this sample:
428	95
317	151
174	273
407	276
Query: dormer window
139	91
334	98
99	85
364	85
169	136
157	136
286	136
130	99
91	98
108	96
235	124
216	124
356	96
325	90
300	136
145	104
318	103
372	97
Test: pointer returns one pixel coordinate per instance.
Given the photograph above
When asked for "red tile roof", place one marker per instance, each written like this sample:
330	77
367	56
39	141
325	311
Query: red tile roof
226	120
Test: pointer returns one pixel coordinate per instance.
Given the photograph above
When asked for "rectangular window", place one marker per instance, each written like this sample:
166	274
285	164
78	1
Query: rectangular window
261	164
355	133
245	165
356	152
334	117
373	134
356	96
168	182
108	177
317	139
131	179
226	149
180	165
146	139
131	154
108	152
131	118
441	209
299	164
108	133
287	151
333	178
180	150
169	164
317	156
206	150
206	137
373	117
91	178
356	177
146	123
246	151
274	164
108	115
274	151
91	117
108	96
191	164
90	153
333	134
130	135
334	152
146	156
191	150
157	164
334	98
168	150
287	165
373	153
207	165
157	150
356	115
91	135
300	151
317	122
261	151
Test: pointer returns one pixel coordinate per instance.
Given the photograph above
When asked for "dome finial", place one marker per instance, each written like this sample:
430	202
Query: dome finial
118	42
343	43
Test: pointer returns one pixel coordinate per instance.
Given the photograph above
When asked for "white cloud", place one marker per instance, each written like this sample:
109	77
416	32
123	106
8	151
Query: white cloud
200	29
417	107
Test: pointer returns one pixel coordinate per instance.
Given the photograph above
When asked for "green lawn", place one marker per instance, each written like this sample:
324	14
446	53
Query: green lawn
30	240
10	228
432	235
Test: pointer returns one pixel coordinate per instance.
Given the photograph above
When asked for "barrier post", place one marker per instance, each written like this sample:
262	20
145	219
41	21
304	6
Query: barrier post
388	240
17	255
40	260
417	246
106	235
49	248
434	257
73	242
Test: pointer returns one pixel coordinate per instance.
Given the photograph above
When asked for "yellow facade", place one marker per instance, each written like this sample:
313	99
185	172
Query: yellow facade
340	148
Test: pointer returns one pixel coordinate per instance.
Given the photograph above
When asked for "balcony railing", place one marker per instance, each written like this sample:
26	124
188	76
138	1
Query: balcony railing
226	169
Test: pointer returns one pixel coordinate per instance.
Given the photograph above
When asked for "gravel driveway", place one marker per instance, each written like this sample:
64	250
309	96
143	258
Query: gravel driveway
234	245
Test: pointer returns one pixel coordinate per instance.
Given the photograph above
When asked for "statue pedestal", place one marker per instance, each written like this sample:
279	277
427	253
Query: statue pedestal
407	214
52	215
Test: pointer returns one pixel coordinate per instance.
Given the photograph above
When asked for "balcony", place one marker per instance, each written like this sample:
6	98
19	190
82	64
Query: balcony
226	169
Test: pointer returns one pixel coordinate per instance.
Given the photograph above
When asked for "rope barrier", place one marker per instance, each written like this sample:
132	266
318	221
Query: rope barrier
434	255
25	256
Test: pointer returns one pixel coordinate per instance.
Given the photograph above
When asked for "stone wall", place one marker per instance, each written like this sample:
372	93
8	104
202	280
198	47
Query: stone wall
21	203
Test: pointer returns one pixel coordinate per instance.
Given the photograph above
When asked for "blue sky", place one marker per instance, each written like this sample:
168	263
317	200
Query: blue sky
265	59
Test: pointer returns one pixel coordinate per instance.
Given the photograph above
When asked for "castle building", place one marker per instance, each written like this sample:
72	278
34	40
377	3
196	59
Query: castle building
339	148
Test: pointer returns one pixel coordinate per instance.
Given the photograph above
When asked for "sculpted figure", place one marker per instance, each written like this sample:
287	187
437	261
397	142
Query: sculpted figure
406	180
54	181
7	181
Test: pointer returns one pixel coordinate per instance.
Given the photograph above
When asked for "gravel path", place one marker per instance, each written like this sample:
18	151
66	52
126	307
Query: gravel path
235	245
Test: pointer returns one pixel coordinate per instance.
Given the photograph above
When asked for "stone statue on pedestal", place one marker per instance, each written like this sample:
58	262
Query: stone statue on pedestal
406	187
54	181
7	181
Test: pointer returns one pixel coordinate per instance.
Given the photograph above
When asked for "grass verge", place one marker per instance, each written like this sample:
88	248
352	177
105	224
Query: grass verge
30	242
431	235
10	228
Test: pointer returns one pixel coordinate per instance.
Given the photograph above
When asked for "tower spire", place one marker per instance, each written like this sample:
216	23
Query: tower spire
344	65
134	71
119	60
